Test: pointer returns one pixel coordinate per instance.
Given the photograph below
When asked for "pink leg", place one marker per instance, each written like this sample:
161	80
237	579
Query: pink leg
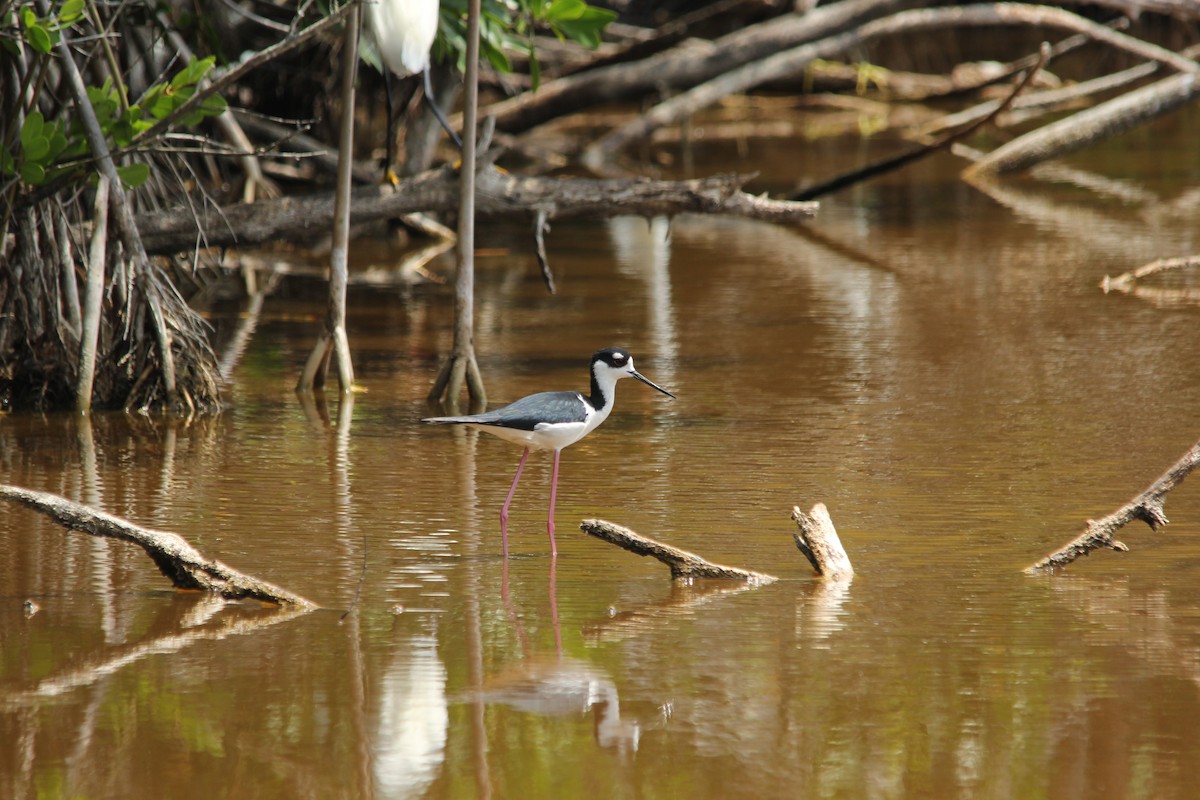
553	494
508	501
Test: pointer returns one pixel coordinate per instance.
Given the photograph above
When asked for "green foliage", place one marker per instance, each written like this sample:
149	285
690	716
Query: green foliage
48	150
506	27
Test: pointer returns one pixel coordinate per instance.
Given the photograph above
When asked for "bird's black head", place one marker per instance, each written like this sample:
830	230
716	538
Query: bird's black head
615	357
610	365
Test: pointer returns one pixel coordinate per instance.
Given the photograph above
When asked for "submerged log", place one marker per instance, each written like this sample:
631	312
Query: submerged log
684	565
1147	506
181	563
819	541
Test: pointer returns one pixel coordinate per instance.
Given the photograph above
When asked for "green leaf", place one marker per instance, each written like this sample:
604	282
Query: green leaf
34	127
32	173
39	38
193	72
565	9
58	142
71	11
133	175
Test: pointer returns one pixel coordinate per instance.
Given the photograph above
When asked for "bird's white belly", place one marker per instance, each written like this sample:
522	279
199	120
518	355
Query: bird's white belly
543	437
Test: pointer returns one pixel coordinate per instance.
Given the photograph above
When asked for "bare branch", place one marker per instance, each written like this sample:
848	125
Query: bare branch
1147	506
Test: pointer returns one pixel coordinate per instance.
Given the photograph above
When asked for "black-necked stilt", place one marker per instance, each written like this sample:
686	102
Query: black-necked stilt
554	420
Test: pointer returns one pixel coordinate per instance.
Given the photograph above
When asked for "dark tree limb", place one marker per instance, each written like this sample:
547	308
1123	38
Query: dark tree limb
818	540
682	66
1147	506
181	563
684	565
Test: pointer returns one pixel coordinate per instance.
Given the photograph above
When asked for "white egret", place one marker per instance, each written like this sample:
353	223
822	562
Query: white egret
398	36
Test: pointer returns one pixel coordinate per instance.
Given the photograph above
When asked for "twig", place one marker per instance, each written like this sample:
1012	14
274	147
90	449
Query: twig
1147	506
683	564
539	241
237	71
181	563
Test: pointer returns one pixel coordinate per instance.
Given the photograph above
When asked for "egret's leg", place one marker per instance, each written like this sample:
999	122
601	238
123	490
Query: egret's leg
508	501
553	494
437	112
391	125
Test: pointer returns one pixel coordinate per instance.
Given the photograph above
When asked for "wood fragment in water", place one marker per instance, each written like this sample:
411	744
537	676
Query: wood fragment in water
818	540
683	564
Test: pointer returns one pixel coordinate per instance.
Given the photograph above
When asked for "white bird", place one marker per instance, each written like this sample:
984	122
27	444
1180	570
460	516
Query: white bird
554	420
399	34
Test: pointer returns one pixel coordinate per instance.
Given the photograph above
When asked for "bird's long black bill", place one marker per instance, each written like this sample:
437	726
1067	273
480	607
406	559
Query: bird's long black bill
651	384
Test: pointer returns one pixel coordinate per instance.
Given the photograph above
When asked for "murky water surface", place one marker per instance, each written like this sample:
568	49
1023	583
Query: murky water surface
935	364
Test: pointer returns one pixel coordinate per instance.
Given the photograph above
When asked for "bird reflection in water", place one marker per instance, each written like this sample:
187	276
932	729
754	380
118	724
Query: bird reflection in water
558	685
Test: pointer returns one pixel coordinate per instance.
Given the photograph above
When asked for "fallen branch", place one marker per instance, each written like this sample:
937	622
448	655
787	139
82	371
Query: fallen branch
896	162
181	563
497	194
682	563
1147	506
819	541
793	62
1087	127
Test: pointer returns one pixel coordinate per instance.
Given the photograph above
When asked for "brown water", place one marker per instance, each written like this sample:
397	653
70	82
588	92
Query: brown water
934	364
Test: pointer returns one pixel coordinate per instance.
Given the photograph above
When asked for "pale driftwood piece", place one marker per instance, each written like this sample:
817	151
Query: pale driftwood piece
1127	282
819	541
289	218
1147	506
683	564
181	563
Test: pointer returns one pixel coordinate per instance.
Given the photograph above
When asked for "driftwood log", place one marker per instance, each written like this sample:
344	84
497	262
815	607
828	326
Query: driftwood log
818	540
1147	506
497	194
684	565
181	563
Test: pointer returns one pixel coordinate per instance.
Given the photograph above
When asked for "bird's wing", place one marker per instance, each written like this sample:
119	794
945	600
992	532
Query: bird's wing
527	413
